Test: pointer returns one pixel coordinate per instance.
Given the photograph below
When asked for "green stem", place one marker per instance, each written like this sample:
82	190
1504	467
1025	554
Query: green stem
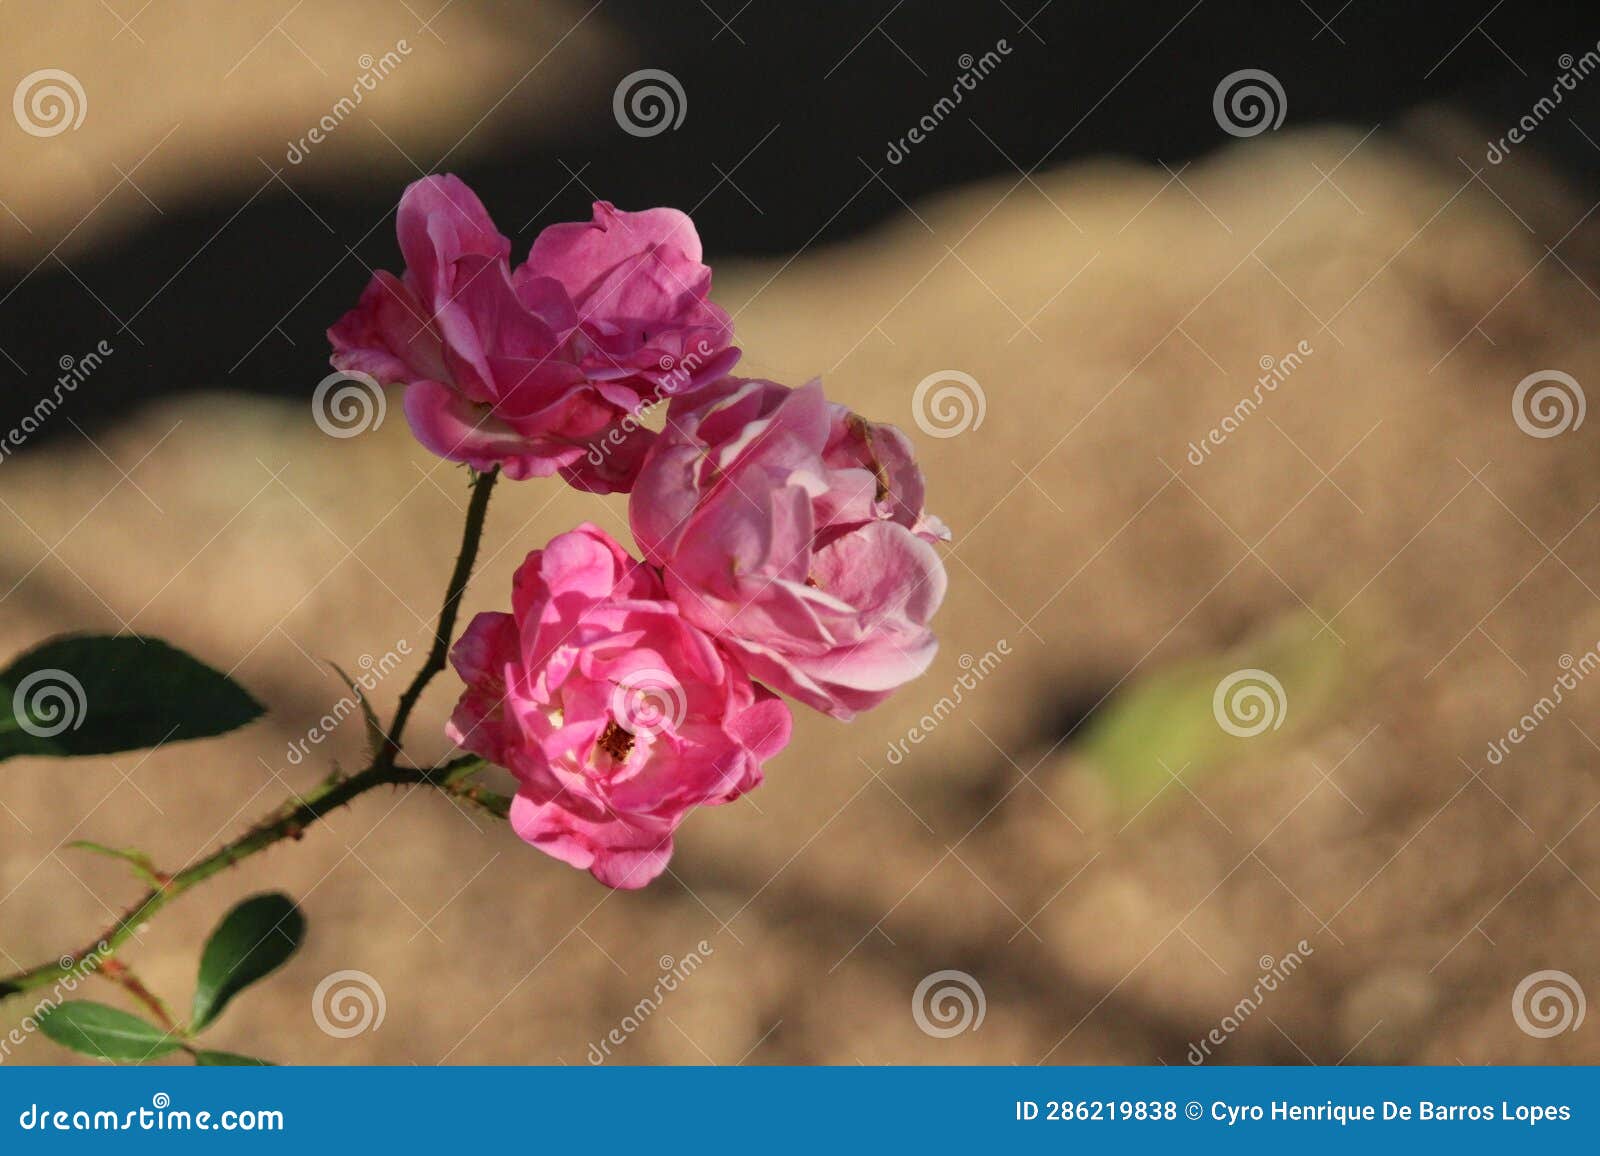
471	535
288	822
291	819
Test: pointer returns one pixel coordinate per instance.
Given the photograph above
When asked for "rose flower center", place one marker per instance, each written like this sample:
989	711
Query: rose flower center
615	741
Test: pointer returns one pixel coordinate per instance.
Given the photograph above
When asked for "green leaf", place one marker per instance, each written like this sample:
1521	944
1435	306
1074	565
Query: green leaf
229	1060
106	1033
377	740
252	941
1163	732
138	860
90	694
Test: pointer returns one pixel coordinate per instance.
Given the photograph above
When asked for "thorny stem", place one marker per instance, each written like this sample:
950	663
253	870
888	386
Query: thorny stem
471	535
291	818
120	974
289	821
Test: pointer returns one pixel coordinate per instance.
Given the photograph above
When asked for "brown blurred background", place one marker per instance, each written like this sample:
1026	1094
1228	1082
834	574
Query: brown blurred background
1113	271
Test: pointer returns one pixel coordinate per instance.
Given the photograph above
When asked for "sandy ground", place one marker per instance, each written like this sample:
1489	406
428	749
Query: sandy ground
190	98
1379	533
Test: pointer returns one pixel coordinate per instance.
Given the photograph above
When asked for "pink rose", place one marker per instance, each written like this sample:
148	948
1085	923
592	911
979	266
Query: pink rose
793	531
615	713
534	369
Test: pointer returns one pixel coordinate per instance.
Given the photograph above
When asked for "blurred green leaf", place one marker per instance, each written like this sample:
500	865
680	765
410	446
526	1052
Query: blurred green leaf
106	1033
252	941
376	738
95	694
1183	719
138	860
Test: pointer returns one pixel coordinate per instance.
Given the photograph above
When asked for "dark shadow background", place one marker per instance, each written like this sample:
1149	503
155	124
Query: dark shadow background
794	105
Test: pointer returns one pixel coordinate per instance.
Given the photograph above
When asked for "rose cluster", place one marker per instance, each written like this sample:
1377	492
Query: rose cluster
785	546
